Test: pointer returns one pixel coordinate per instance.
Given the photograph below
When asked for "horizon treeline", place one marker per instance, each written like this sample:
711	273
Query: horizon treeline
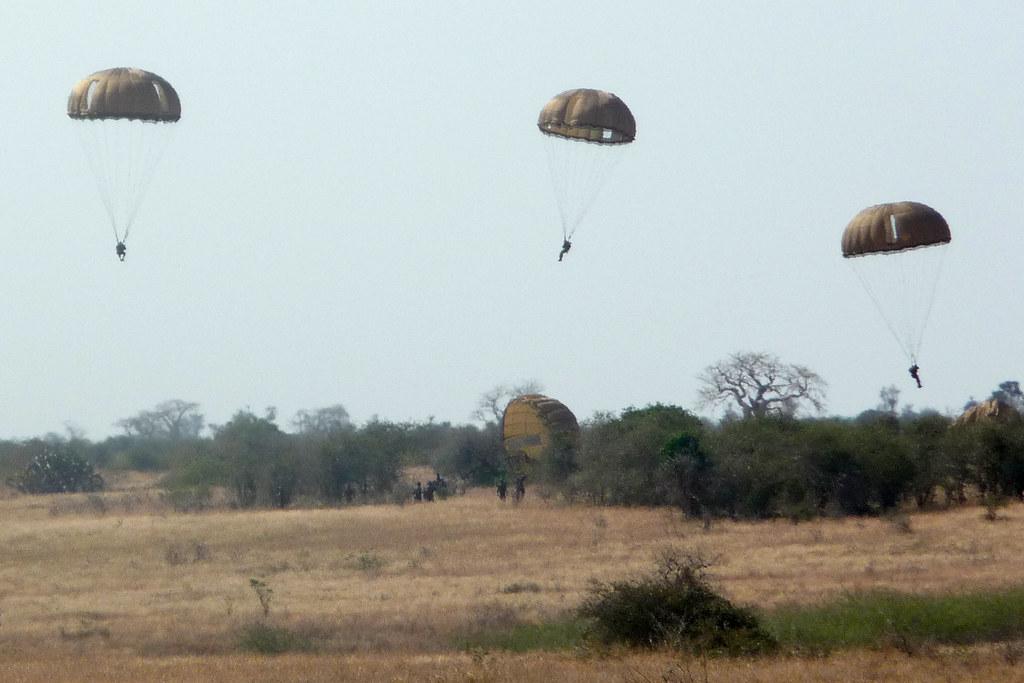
660	455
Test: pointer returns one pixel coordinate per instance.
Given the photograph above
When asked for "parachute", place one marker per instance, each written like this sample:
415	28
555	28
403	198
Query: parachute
991	411
897	251
584	131
123	117
532	425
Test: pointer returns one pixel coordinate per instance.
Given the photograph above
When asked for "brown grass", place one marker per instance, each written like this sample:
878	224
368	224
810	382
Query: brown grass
140	587
974	664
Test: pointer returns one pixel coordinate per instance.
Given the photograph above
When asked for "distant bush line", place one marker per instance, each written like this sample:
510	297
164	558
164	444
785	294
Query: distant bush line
260	465
761	468
659	455
796	468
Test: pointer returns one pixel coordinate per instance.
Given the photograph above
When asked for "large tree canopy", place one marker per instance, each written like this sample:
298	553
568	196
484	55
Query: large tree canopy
760	385
173	419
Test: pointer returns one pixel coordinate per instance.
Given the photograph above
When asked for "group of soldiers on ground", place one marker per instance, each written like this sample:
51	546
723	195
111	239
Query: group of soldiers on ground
520	490
438	486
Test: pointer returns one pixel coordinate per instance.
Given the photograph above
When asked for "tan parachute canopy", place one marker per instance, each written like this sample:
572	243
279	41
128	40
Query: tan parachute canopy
533	423
124	93
987	412
895	227
589	115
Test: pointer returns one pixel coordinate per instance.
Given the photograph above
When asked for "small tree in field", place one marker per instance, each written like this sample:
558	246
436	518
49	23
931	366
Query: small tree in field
675	607
57	470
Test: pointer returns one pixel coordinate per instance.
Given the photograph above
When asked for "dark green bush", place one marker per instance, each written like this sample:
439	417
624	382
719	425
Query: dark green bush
621	459
675	607
57	470
202	471
272	640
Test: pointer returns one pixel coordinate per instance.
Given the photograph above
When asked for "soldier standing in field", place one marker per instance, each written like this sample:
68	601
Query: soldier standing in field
520	488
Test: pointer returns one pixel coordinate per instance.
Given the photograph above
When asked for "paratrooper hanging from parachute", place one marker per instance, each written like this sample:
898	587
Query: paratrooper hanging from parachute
123	118
584	130
897	251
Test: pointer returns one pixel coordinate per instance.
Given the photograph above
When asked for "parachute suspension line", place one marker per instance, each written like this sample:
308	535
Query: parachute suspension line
596	173
557	166
578	171
133	169
931	301
95	145
123	156
902	287
607	159
130	159
919	276
147	150
134	143
113	162
881	310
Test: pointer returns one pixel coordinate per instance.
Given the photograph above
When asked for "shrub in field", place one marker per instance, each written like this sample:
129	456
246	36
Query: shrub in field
522	587
621	460
272	640
187	553
367	561
191	499
264	593
57	470
675	607
200	470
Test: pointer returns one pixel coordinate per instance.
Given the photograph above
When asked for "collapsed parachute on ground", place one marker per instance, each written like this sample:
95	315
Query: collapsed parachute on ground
585	130
992	411
533	425
124	118
897	251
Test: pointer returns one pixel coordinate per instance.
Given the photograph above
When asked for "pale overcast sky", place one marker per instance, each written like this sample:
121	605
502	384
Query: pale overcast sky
356	205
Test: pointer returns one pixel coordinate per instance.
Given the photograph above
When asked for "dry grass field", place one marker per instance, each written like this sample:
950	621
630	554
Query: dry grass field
121	587
975	665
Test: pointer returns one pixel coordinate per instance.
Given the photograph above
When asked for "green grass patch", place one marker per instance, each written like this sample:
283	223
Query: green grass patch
880	619
272	640
550	636
873	620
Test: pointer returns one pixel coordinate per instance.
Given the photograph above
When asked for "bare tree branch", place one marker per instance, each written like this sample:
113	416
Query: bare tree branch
760	384
492	403
173	419
322	420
